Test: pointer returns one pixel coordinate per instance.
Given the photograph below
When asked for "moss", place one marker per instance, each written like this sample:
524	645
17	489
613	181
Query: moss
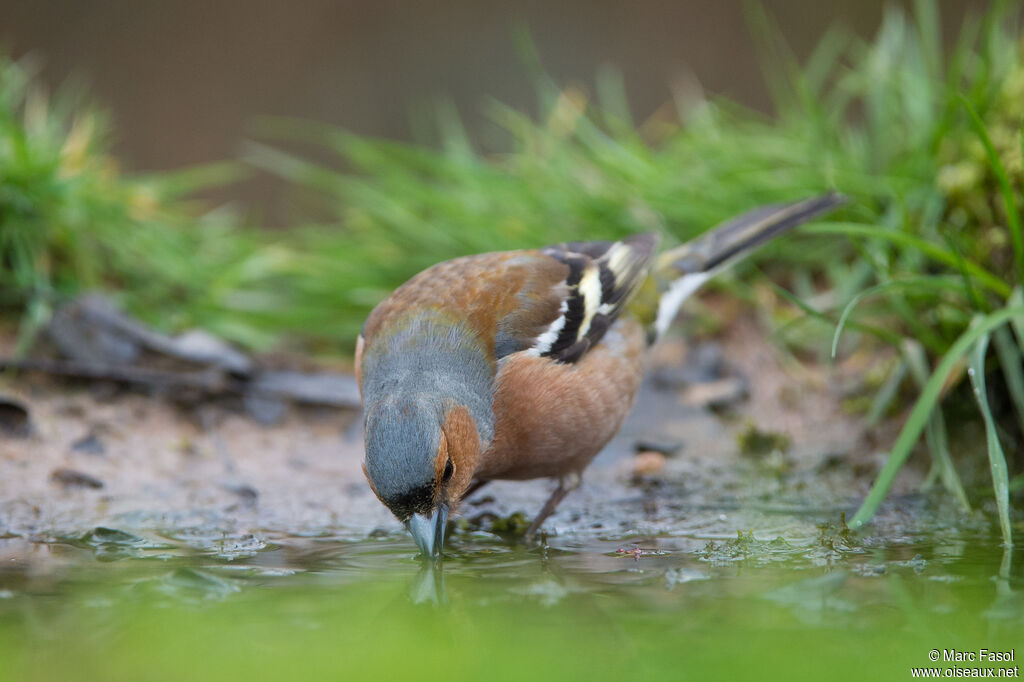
754	442
836	535
514	524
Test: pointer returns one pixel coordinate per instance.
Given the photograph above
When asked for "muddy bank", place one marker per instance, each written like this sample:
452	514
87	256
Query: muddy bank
119	459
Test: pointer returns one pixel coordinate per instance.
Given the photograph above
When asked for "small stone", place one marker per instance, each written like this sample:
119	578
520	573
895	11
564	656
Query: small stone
89	444
648	464
70	478
247	494
322	388
717	394
831	461
90	329
664	446
14	418
674	378
264	409
704	364
204	348
101	535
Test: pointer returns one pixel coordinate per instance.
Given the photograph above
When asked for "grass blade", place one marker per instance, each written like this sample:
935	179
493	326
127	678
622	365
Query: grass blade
937	253
922	409
996	457
1010	362
37	315
1016	300
883	334
935	431
930	34
886	394
935	283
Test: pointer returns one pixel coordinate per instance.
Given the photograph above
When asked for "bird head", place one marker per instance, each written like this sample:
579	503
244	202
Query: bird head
420	458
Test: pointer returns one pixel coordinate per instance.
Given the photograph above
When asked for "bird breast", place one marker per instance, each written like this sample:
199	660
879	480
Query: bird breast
552	418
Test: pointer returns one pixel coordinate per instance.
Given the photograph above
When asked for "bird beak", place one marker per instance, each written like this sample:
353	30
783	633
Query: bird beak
428	531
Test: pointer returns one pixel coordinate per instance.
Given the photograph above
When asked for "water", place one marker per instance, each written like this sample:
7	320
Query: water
193	604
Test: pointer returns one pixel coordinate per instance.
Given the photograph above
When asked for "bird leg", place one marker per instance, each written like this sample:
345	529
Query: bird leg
566	485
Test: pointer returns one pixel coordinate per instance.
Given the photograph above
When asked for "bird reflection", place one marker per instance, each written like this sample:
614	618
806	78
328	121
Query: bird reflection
427	587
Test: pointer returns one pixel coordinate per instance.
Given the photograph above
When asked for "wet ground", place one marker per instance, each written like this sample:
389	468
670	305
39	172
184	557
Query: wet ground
99	455
142	539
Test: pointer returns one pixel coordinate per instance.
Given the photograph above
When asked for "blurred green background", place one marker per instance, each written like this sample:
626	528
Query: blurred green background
185	80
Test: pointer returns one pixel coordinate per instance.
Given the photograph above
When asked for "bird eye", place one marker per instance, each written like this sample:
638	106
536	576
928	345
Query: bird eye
449	469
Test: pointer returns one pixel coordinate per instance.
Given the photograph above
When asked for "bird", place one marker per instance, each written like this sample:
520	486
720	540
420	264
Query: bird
518	365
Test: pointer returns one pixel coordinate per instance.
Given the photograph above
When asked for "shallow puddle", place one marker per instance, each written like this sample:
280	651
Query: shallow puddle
193	604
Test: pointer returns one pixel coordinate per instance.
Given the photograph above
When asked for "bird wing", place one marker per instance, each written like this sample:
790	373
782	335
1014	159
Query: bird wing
555	302
602	277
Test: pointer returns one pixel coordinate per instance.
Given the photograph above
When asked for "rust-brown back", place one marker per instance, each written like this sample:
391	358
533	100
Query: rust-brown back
520	289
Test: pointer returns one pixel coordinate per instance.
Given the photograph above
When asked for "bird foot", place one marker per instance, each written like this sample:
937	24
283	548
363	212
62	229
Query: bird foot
566	485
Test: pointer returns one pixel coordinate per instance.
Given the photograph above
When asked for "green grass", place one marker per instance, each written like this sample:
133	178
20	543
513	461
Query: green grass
927	145
71	220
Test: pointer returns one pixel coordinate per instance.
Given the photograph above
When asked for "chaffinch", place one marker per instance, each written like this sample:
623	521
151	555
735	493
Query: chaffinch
524	364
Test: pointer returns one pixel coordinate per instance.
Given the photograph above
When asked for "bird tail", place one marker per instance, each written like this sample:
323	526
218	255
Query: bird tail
681	271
